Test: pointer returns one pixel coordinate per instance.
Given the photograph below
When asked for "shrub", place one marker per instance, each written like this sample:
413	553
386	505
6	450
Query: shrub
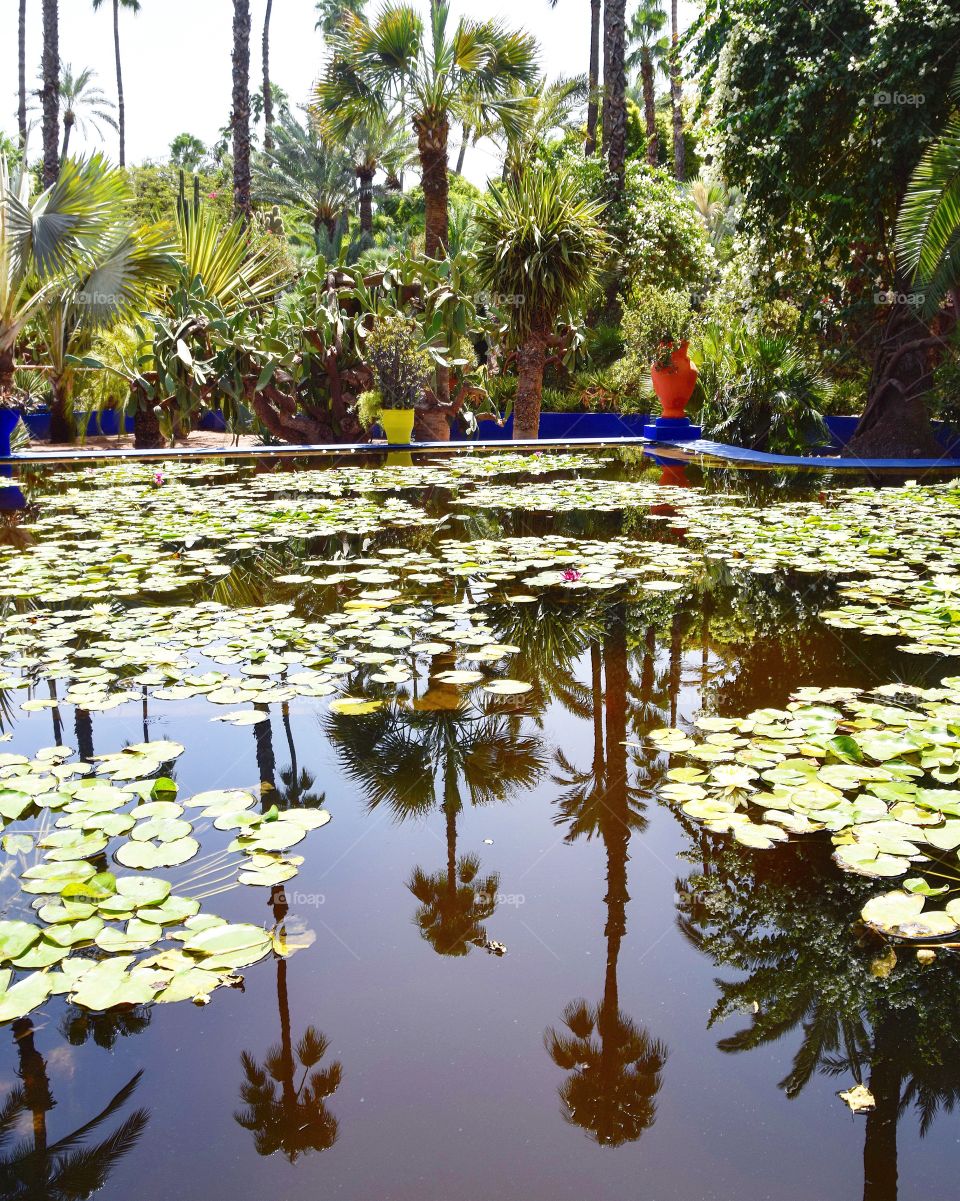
655	322
402	367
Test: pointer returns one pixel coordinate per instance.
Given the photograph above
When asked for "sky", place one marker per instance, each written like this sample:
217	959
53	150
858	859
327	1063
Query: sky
177	68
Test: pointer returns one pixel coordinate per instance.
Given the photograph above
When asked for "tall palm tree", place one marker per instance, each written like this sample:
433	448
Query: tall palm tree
65	1169
42	237
50	92
380	143
676	97
445	76
303	172
331	12
240	116
22	75
134	7
83	105
615	93
267	90
539	240
650	52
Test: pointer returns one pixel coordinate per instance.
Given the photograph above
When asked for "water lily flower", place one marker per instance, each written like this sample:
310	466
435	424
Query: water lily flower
571	575
159	479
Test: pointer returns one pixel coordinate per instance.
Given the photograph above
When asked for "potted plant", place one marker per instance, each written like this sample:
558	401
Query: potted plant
402	368
657	327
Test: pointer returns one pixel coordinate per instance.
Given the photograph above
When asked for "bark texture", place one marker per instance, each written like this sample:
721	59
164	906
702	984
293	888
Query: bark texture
50	92
267	92
593	104
432	136
649	108
676	97
365	178
121	106
240	120
531	360
615	92
22	75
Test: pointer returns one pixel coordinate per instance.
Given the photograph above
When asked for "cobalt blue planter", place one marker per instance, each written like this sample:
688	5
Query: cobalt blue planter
8	423
106	423
570	426
215	422
672	429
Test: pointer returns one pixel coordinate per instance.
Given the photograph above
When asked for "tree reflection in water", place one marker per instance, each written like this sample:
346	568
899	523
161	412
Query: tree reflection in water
615	1067
865	1013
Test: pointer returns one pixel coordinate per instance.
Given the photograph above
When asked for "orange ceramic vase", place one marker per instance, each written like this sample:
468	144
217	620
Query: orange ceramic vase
674	385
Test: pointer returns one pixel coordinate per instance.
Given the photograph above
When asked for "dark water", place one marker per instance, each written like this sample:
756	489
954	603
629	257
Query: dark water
673	1016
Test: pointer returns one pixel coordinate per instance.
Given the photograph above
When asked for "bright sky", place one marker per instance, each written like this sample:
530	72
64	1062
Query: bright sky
177	69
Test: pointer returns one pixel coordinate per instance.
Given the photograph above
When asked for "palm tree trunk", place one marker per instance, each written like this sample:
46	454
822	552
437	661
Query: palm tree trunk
121	106
676	97
366	200
467	131
531	360
22	107
266	759
62	428
50	92
83	731
240	120
267	92
649	107
286	1041
32	1070
880	1172
68	123
615	93
593	104
8	364
596	679
432	144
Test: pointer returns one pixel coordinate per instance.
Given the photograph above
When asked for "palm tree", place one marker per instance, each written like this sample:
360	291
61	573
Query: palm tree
66	1169
42	237
83	105
50	92
240	116
267	89
378	144
615	93
676	97
134	7
539	241
302	172
650	53
331	12
22	75
593	76
615	1067
447	76
552	106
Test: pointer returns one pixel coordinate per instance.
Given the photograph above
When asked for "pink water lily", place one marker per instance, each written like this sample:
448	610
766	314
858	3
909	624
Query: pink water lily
159	479
571	575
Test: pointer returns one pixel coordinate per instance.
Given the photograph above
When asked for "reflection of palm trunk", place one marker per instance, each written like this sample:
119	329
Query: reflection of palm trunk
146	713
676	668
880	1140
294	773
596	675
55	714
286	1041
32	1070
266	759
83	725
451	807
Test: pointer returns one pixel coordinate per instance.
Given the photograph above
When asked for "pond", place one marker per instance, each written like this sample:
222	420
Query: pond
552	826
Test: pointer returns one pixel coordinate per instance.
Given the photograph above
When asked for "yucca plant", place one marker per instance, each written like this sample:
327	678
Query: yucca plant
540	245
233	272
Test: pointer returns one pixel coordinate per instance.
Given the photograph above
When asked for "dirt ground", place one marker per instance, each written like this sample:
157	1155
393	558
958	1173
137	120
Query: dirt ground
197	440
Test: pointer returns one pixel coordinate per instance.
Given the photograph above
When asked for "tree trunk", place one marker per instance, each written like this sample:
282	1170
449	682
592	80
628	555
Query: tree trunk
432	144
50	92
69	120
267	93
365	177
8	364
676	97
240	119
531	360
121	106
22	107
463	148
62	427
146	427
593	104
880	1138
649	108
895	421
615	93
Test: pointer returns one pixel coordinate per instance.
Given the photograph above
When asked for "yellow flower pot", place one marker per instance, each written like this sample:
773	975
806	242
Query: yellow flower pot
397	425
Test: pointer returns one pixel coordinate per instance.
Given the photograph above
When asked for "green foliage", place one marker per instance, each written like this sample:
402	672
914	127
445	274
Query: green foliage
759	390
156	188
539	243
402	367
369	406
655	322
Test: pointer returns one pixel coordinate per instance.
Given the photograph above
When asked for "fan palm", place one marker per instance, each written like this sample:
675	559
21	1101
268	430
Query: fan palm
379	144
134	7
540	242
302	172
928	230
445	76
651	48
66	1169
44	236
